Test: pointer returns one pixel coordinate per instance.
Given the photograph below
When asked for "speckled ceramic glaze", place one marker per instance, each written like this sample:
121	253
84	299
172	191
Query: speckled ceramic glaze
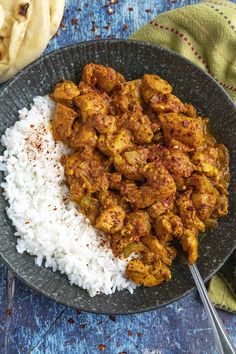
192	85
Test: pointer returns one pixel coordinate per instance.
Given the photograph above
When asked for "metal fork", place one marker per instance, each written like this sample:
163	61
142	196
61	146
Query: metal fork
222	339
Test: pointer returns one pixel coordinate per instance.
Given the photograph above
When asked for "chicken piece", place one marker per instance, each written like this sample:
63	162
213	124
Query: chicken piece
153	85
187	130
161	207
102	77
189	242
160	186
64	92
62	122
147	275
126	97
90	173
157	251
91	103
166	103
104	124
84	136
108	199
111	220
175	144
129	162
113	144
86	88
204	196
89	206
153	266
139	197
207	159
158	177
115	180
139	125
168	226
187	212
175	161
137	225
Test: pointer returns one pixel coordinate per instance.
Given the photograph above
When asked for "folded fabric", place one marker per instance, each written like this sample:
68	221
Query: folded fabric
25	30
206	34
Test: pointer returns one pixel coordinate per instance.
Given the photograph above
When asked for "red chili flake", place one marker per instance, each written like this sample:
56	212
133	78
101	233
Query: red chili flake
31	126
71	321
82	325
148	11
27	222
112	317
139	334
101	347
130	8
9	312
63	26
130	333
74	21
110	11
106	27
55	209
185	124
94	28
125	26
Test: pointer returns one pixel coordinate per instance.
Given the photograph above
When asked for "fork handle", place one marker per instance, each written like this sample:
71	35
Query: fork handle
222	339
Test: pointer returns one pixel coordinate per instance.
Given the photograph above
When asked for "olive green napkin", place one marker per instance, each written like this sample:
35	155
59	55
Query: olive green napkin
206	34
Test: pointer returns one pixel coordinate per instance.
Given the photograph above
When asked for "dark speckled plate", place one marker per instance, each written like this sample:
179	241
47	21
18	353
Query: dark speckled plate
191	84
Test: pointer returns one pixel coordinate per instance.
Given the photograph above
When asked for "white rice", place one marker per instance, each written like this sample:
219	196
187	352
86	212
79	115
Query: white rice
48	225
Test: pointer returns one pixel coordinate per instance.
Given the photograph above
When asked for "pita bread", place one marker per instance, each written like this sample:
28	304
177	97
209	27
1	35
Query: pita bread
26	27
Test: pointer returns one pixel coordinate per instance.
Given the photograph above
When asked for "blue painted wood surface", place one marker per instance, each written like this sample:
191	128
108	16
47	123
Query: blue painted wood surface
31	323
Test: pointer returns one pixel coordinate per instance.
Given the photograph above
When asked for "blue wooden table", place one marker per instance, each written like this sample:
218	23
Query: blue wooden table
31	323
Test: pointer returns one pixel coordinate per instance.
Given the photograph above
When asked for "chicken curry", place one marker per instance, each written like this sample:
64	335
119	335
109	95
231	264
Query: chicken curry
144	168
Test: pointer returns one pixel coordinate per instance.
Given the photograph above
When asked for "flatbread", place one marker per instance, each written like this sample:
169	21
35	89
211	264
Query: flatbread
26	27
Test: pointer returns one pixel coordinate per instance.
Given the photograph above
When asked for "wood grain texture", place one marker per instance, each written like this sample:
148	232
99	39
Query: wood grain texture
31	323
